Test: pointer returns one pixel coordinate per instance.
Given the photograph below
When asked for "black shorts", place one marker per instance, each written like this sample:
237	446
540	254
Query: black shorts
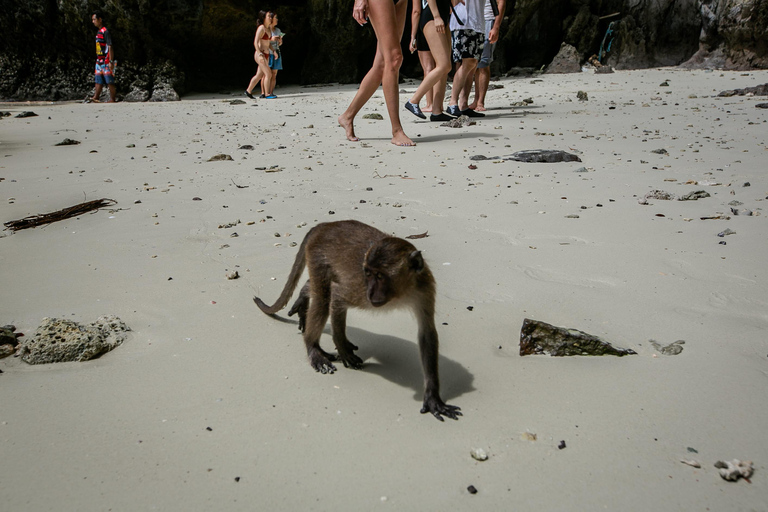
421	42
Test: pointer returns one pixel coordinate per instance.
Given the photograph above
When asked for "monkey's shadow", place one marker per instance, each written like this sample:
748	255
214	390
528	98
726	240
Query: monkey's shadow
399	361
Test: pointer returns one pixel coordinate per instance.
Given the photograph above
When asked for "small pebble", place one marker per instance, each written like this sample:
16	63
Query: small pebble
471	489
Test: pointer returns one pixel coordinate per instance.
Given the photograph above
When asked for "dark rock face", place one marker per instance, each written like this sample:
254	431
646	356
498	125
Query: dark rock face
166	48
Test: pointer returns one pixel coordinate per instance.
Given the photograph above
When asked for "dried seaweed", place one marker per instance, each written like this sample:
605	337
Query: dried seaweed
47	218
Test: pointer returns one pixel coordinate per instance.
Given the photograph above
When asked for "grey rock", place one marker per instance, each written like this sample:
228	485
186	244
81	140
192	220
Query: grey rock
660	151
672	349
582	96
459	122
8	340
136	95
542	338
726	232
375	116
164	93
660	195
567	60
543	155
478	157
58	340
220	158
25	114
693	196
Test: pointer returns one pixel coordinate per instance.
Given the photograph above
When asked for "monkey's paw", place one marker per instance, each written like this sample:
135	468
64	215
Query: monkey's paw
438	408
351	360
321	362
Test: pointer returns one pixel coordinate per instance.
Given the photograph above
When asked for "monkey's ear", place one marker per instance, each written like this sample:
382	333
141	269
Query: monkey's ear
416	261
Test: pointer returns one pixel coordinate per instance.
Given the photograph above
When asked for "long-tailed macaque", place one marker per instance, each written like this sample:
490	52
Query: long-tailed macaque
355	265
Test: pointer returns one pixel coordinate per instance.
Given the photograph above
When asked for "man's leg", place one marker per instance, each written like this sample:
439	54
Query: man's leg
467	69
482	79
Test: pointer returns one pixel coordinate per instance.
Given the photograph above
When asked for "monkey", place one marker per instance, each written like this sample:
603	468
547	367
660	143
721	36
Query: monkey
354	265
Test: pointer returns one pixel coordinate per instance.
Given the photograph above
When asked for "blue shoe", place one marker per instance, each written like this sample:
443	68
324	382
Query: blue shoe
453	110
414	109
270	97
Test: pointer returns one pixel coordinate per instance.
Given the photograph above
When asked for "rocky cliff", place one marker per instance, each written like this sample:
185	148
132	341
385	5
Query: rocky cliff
165	48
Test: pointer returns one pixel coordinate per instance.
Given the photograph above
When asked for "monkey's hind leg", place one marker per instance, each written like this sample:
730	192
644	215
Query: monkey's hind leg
301	306
345	348
317	316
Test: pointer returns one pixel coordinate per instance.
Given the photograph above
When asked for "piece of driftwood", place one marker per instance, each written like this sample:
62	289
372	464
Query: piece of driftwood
46	218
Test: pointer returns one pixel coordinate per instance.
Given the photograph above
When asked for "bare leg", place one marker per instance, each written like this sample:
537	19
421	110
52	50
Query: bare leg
427	64
388	22
97	92
266	80
274	81
254	81
112	92
469	65
482	79
440	47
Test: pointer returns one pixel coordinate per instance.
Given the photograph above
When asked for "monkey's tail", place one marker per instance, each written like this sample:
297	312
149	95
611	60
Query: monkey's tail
290	285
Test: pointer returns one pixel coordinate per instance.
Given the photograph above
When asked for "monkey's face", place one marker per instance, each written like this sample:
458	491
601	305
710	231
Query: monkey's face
378	287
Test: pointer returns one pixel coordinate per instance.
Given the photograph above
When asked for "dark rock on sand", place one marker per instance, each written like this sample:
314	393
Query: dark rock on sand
542	338
59	340
68	142
758	90
543	155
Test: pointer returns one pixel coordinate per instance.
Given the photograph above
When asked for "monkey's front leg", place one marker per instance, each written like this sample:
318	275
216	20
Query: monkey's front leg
345	348
428	346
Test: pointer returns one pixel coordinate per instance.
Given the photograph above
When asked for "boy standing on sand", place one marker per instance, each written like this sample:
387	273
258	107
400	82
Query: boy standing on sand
105	59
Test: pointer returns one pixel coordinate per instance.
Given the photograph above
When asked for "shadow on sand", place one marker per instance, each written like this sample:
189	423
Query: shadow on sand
398	361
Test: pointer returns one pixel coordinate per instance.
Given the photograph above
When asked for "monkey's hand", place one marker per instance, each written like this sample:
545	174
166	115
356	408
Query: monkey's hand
438	408
351	360
301	306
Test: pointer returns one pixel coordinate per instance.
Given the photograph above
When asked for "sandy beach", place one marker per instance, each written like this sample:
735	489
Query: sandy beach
211	405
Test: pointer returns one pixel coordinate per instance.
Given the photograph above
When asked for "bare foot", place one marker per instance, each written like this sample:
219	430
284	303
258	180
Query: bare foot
401	139
428	108
473	105
95	100
479	108
346	123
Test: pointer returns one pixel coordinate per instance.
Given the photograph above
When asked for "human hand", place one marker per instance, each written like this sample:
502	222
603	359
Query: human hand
439	25
493	36
360	12
412	46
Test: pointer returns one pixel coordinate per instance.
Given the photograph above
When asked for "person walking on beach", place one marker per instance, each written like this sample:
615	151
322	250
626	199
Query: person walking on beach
468	42
261	43
388	22
483	72
419	43
435	18
105	60
276	57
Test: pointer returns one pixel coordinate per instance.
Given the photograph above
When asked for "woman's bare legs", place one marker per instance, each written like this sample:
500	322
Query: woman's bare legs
440	46
427	64
254	80
388	22
266	73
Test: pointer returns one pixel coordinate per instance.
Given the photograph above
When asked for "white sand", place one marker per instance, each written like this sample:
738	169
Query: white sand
129	431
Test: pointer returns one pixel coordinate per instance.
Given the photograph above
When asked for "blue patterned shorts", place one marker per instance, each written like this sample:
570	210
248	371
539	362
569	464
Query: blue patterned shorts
467	44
